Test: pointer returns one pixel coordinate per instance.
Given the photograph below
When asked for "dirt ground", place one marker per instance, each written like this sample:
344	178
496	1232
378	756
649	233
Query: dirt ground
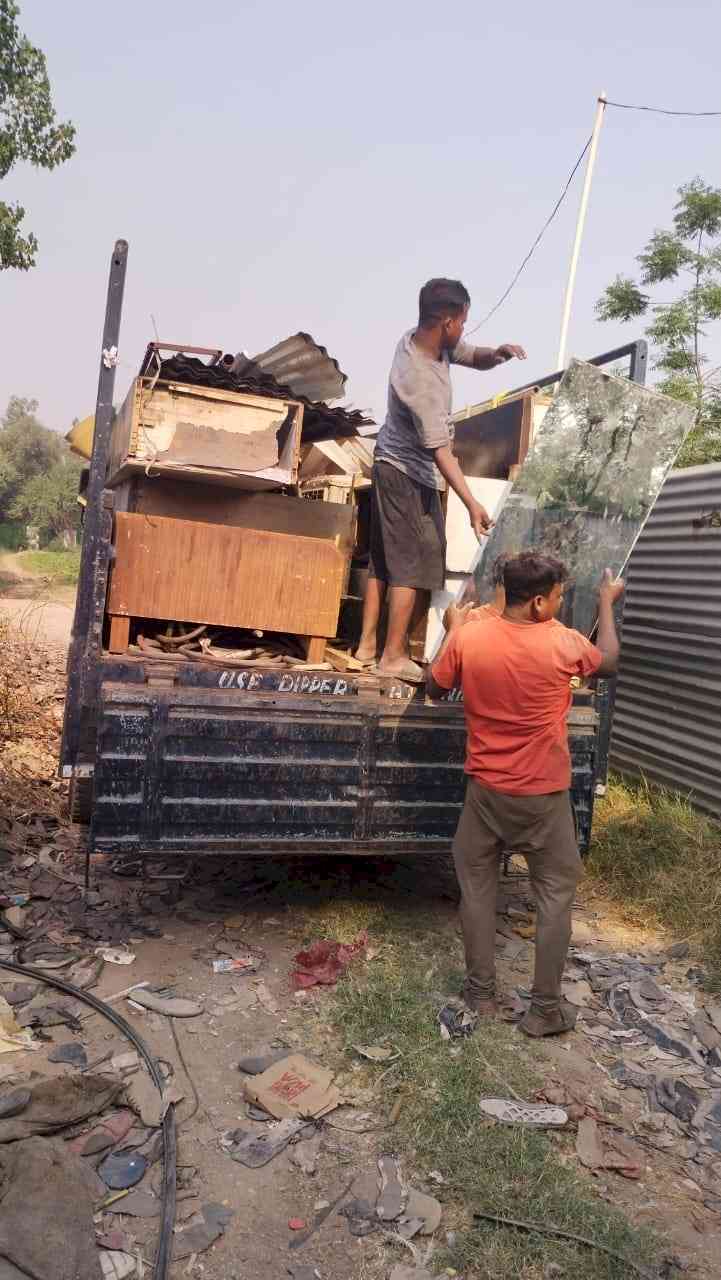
43	613
216	913
203	911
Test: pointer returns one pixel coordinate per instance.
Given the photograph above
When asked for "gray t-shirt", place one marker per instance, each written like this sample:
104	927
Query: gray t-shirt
419	410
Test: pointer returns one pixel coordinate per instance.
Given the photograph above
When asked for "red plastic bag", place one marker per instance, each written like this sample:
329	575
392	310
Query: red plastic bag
324	962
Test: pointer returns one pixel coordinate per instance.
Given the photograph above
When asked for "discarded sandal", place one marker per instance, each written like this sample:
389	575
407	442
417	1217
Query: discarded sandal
171	1006
540	1115
554	1023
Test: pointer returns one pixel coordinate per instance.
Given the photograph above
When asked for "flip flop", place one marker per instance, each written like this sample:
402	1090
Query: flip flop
254	1151
540	1115
410	672
366	663
171	1006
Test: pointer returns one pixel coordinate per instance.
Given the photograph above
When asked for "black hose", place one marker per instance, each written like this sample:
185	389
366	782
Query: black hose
167	1211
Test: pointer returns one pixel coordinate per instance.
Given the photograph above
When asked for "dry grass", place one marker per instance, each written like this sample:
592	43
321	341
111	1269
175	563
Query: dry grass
660	861
31	685
506	1170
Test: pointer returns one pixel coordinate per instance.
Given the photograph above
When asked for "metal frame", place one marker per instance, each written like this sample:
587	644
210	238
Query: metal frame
179	348
95	544
638	351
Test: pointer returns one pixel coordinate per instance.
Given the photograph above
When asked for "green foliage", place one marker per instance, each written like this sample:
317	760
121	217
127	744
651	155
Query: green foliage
12	537
622	301
59	568
689	255
29	130
38	474
50	500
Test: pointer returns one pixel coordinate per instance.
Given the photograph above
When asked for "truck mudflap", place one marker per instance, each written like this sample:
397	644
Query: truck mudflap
207	771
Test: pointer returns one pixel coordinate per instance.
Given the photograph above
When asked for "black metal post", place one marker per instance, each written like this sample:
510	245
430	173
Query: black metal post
92	526
639	361
638	351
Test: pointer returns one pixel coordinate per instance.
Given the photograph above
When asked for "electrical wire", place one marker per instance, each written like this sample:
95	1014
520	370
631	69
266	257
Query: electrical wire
536	242
167	1217
191	1082
660	111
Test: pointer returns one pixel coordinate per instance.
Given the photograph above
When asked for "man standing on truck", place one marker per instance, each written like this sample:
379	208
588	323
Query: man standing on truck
514	670
413	461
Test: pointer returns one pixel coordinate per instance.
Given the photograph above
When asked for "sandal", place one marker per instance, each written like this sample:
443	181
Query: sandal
540	1115
410	672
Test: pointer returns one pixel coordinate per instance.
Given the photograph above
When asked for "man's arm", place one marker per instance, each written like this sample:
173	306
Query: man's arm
450	469
607	640
454	618
491	357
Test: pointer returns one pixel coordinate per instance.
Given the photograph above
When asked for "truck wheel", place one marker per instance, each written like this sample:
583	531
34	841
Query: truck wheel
80	800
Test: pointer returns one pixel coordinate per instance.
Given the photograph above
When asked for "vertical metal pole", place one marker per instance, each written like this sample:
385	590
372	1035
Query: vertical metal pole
639	360
93	511
568	300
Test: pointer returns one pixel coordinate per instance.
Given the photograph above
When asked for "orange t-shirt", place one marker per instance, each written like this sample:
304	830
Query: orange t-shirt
515	681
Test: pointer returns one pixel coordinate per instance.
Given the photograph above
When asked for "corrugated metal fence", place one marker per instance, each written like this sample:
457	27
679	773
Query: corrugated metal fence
667	719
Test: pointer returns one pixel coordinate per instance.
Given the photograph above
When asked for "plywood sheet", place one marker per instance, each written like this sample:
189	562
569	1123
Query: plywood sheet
205	432
193	572
461	542
463	554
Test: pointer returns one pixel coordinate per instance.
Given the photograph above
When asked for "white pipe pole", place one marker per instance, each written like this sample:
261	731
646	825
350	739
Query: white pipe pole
568	300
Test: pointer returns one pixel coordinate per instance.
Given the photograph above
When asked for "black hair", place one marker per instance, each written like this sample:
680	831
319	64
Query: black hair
440	298
531	574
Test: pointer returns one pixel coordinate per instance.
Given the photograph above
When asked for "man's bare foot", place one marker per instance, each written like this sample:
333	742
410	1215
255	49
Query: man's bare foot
403	668
365	655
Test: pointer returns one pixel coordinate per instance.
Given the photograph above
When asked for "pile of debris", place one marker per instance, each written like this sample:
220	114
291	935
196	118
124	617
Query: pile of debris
32	686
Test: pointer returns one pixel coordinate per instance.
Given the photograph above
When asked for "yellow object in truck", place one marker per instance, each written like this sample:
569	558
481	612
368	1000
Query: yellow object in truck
80	436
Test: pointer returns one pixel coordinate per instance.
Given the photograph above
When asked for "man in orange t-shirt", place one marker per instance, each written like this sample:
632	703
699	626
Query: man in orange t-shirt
515	671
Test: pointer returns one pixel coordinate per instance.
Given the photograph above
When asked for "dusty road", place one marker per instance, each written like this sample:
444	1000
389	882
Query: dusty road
43	614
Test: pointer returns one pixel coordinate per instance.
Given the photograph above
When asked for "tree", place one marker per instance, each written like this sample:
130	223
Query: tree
50	500
28	129
27	449
689	254
39	475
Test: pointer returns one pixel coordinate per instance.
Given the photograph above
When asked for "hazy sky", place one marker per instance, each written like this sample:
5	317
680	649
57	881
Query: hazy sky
278	166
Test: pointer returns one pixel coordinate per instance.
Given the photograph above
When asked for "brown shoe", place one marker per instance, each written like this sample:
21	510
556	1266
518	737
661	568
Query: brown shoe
552	1023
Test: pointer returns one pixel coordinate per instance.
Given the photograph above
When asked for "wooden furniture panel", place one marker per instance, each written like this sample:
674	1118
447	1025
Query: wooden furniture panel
274	513
207	573
202	433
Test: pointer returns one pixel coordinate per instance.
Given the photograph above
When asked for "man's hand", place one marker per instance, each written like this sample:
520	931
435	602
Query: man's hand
455	616
479	518
611	588
508	351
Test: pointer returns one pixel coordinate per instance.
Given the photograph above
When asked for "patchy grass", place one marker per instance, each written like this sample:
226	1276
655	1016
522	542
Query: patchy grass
504	1170
58	567
660	860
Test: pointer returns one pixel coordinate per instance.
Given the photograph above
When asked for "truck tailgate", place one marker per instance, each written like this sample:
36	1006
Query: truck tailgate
196	770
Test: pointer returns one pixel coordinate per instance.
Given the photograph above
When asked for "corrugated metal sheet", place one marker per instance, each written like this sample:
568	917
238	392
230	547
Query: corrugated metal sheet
321	421
667	718
304	365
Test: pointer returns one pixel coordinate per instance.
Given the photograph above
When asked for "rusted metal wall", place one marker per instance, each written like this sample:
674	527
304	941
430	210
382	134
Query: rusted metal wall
667	719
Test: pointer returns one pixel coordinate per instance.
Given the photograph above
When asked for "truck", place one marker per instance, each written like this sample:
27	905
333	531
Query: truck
179	758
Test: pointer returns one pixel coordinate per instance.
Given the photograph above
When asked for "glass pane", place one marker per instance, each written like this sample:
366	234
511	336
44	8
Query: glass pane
588	482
